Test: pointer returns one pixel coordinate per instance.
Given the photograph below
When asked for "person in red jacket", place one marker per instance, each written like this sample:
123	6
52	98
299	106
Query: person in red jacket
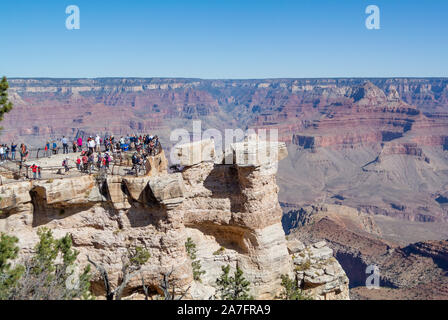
34	169
78	163
47	145
84	163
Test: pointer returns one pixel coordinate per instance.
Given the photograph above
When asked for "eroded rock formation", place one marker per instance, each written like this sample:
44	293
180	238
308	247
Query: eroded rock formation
318	272
231	211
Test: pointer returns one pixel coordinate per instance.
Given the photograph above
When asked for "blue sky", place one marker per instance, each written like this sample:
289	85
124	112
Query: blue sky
224	39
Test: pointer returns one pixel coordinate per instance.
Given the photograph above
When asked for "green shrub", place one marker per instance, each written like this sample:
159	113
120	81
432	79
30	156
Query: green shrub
219	251
190	246
291	290
41	277
304	266
233	288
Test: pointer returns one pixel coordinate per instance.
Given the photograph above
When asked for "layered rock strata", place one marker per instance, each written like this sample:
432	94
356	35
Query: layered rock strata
231	212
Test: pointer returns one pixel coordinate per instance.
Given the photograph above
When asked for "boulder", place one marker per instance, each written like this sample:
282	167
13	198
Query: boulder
295	246
116	195
255	153
136	186
68	191
193	153
14	195
168	189
322	253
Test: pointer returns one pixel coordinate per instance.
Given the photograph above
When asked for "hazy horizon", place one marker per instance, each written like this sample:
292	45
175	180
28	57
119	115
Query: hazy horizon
225	79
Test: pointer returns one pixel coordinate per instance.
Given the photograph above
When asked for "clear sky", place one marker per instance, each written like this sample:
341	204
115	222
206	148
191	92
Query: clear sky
224	39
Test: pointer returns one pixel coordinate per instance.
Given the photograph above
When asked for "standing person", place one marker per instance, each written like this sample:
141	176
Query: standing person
2	152
84	163
47	149
34	169
91	144
151	147
107	160
107	144
6	147
122	144
91	161
98	143
134	162
79	143
39	174
156	145
103	162
64	145
74	147
99	160
78	163
55	148
13	151
23	152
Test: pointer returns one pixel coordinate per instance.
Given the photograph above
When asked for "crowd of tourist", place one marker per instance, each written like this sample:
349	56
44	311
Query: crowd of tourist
8	152
96	153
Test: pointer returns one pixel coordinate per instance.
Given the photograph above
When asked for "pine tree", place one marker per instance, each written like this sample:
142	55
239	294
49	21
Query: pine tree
233	288
291	290
42	277
46	252
5	104
190	246
9	277
45	270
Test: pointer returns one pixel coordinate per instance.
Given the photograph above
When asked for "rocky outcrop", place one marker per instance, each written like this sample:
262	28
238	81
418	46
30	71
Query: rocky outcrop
413	271
318	273
231	212
234	208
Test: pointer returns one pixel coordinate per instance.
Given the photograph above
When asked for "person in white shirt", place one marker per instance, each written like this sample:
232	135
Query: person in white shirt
98	143
91	145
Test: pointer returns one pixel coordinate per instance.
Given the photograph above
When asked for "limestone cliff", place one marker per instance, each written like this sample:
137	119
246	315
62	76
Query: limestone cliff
231	211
